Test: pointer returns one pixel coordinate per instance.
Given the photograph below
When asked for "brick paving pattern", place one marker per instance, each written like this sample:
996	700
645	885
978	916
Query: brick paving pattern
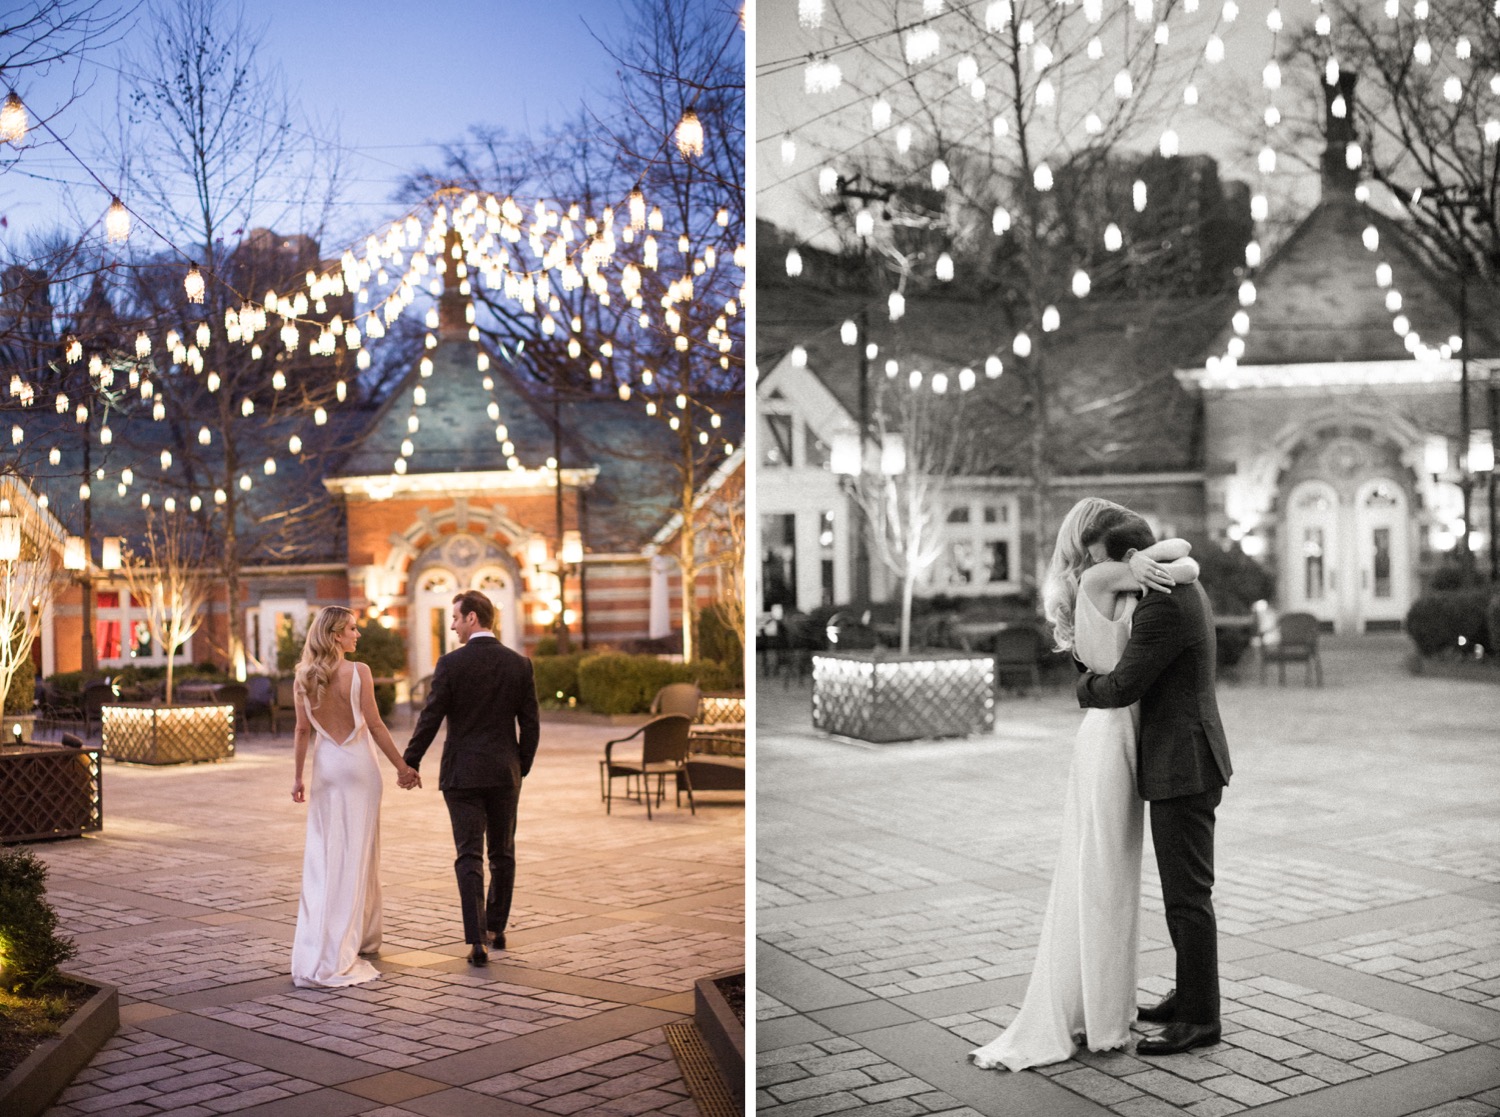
1358	858
187	901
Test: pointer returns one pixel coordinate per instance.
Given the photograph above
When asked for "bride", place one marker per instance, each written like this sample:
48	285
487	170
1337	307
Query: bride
1082	986
339	917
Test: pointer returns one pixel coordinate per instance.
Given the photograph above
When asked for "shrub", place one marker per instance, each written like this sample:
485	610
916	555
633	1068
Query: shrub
69	683
623	684
30	949
22	694
557	678
1438	620
720	641
1232	579
384	650
547	645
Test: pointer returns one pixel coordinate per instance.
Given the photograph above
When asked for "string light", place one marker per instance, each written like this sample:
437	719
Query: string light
13	122
117	222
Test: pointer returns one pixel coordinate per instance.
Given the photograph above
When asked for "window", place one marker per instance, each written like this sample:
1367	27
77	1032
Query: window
980	547
776	446
121	633
778	561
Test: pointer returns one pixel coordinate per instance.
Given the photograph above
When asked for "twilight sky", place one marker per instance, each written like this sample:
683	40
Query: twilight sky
399	78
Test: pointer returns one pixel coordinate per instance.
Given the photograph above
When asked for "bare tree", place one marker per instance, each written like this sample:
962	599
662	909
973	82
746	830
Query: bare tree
921	450
674	343
209	119
1423	109
30	577
170	574
1006	183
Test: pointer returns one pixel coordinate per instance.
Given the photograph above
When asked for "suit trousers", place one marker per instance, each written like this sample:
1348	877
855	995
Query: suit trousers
1182	829
483	815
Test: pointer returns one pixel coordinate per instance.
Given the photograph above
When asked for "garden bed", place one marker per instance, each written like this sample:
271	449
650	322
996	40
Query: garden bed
49	791
719	1012
1449	667
146	733
39	1059
885	696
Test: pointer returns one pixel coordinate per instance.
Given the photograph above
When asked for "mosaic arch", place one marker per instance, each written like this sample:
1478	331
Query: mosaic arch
443	553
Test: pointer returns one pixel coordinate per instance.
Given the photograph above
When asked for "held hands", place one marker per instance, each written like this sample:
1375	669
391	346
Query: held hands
407	778
1151	574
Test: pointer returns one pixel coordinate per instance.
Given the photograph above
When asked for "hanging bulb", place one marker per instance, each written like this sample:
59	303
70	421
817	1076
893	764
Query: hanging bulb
944	268
1213	49
1051	319
166	459
690	135
1081	283
1422	51
1267	160
1247	293
192	283
1041	178
896	306
117	222
1270	77
1124	86
822	75
1169	143
810	14
1252	254
940	175
880	114
1113	238
793	263
1138	196
1000	220
1021	346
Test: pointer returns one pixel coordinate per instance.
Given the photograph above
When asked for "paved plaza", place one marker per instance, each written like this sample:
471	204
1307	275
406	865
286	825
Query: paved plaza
901	891
188	899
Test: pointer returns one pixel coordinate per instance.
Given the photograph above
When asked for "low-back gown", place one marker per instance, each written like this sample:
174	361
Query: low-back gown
1083	981
339	915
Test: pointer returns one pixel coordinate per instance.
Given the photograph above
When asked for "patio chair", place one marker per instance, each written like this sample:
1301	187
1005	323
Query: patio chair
664	749
95	695
1016	654
260	700
677	698
236	695
1294	639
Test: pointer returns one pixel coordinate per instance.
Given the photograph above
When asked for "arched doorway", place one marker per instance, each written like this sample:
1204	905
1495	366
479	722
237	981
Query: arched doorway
1382	532
1311	558
432	602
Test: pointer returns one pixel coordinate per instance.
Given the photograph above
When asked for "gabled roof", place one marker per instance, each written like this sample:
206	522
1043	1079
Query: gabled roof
1317	299
455	431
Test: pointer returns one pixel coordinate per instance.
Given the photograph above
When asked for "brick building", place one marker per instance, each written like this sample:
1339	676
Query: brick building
574	505
1313	427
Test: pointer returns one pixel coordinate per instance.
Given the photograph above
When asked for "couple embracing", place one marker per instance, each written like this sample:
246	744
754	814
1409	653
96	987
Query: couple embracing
1151	734
487	694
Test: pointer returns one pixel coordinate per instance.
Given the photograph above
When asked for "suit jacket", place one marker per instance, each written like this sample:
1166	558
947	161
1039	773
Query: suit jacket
1168	667
488	694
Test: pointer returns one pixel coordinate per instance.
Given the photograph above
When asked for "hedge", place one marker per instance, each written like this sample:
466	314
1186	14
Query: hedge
1437	620
626	684
557	678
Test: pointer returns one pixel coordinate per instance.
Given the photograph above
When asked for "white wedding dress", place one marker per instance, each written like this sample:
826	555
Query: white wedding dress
339	915
1082	985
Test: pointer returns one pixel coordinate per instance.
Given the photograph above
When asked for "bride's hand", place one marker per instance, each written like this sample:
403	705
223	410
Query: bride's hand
1151	574
299	792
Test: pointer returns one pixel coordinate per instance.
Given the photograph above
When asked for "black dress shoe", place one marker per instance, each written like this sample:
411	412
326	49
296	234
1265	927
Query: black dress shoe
496	939
478	957
1163	1013
1177	1038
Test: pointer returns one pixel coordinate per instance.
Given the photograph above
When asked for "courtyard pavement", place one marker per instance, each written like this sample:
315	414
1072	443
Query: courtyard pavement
901	891
188	900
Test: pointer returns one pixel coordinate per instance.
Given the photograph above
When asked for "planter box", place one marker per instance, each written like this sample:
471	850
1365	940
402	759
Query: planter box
28	1090
146	733
883	696
9	724
721	707
722	1032
49	791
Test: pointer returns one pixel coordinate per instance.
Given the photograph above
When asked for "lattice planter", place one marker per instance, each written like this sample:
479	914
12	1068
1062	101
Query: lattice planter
721	707
145	733
49	791
884	696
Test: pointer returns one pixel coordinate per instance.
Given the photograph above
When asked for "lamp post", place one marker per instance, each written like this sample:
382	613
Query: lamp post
850	189
1458	199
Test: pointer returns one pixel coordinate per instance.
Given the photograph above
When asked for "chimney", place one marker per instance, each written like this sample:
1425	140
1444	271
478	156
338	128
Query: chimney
1339	180
452	305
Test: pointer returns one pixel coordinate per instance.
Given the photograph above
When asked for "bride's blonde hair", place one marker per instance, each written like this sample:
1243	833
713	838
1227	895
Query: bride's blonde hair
1070	558
321	654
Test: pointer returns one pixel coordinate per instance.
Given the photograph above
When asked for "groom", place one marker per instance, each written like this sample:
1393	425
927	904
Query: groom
488	694
1182	768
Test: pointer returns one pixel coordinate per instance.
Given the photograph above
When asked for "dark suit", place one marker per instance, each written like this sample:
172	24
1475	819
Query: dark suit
487	693
1182	767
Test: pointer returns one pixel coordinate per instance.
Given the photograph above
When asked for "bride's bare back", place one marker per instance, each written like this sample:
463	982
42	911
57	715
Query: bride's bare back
334	713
